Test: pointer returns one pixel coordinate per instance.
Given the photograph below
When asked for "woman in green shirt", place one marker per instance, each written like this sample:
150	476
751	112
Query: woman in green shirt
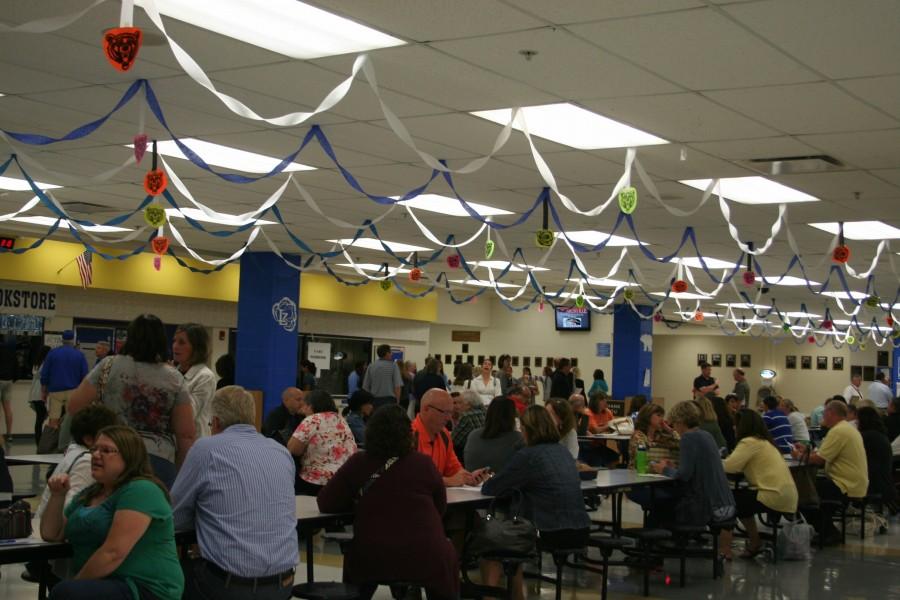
120	528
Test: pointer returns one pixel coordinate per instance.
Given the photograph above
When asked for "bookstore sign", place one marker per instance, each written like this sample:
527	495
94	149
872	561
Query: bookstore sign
18	299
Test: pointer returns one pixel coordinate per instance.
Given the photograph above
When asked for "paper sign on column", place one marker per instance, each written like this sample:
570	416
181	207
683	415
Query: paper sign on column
319	353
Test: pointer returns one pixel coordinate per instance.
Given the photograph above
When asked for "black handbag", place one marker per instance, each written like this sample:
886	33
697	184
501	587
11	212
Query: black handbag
495	536
15	521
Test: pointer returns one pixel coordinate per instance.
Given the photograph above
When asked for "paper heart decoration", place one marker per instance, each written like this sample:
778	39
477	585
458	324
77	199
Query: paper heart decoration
786	327
872	301
826	324
157	262
698	316
627	200
543	238
749	277
811	339
679	286
851	340
895	334
155	216
862	346
628	294
160	244
140	146
579	301
385	284
415	274
488	249
121	45
889	320
840	254
541	306
658	317
453	261
155	182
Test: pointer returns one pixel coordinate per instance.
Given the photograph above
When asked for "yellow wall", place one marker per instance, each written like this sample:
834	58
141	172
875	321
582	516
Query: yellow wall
318	291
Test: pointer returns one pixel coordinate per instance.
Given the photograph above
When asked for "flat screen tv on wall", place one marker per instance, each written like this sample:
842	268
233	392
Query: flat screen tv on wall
572	318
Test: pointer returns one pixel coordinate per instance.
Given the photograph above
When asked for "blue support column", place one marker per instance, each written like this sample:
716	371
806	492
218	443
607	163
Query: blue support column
632	352
268	315
895	371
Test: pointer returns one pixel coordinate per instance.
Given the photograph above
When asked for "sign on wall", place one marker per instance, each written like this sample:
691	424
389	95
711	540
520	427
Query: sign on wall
22	299
319	353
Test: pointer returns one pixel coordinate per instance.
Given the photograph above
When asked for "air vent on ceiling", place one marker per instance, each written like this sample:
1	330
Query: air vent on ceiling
84	207
785	165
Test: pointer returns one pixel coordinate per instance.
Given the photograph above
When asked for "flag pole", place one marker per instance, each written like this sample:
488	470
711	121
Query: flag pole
67	264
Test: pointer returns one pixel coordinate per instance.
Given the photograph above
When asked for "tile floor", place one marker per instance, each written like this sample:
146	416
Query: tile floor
862	571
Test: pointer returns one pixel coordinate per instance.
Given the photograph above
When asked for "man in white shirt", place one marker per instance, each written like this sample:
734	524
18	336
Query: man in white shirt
880	392
852	390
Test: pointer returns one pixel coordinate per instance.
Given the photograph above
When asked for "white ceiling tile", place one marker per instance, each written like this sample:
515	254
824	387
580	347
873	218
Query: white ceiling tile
804	108
882	92
698	49
838	38
838	186
766	147
589	72
430	20
679	117
861	149
889	175
576	166
581	11
664	162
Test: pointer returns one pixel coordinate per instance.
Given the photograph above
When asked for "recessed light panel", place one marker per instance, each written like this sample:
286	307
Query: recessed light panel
592	238
450	206
752	190
225	156
373	244
861	230
223	218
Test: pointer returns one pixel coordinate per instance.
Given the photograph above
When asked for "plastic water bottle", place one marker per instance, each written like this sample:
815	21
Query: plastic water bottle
641	460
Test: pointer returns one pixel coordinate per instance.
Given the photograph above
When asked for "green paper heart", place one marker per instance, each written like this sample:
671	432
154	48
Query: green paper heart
579	301
786	328
627	200
544	238
386	284
851	340
155	215
488	249
872	301
629	294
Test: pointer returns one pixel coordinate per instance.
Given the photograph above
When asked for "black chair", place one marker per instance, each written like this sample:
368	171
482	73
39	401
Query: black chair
682	535
839	513
326	591
646	537
772	520
560	556
510	566
607	545
874	500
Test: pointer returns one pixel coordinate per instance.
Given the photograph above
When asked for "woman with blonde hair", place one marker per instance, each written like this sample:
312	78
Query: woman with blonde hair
120	528
709	420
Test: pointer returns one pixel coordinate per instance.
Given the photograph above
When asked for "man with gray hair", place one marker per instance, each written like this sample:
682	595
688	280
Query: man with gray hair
472	413
236	489
844	456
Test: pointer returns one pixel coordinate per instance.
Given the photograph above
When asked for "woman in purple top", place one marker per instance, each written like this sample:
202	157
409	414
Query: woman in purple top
398	532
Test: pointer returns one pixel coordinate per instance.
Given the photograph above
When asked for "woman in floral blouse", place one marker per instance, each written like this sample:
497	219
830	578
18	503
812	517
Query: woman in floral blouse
323	441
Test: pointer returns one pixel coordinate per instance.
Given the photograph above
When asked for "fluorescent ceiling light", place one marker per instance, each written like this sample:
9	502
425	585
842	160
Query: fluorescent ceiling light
225	156
223	218
888	306
287	27
20	185
49	221
592	238
374	267
692	314
800	315
711	263
746	305
753	190
571	295
501	264
752	321
788	280
450	206
479	283
845	296
861	230
604	282
573	126
683	295
373	244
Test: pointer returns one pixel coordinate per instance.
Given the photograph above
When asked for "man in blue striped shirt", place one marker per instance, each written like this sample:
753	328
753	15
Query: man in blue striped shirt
778	425
236	488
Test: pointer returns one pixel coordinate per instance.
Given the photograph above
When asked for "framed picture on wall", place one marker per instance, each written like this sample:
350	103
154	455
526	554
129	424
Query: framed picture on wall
731	360
868	373
526	361
551	362
821	363
574	361
856	371
806	362
447	359
716	360
493	360
515	361
459	358
883	359
481	359
790	361
538	361
745	361
837	363
701	358
470	359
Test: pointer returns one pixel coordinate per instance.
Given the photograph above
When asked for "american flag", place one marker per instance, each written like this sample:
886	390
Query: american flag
85	268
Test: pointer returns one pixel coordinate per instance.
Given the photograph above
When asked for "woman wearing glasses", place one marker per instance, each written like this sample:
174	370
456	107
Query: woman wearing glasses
120	528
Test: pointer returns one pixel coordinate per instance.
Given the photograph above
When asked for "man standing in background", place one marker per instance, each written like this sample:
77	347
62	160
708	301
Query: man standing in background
741	387
705	383
7	378
63	370
880	392
852	391
356	376
382	378
101	351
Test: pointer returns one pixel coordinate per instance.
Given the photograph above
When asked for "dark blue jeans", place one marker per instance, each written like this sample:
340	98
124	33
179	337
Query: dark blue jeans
164	470
92	589
202	584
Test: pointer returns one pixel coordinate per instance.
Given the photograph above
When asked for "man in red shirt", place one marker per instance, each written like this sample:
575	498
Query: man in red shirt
433	439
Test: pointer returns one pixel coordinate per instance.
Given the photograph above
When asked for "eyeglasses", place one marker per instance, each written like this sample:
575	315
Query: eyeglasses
441	410
104	450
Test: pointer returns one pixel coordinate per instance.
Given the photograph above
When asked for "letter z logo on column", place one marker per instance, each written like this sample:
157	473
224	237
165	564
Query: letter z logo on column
285	313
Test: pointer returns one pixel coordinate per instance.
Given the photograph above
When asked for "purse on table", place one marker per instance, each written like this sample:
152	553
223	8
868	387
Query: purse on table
15	521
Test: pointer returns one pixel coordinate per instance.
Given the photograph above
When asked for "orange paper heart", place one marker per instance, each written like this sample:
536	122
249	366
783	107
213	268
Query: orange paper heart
121	45
160	244
155	182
